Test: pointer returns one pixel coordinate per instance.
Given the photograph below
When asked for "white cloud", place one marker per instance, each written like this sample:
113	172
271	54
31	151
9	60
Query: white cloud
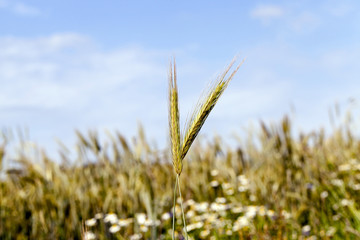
60	82
265	13
25	10
305	22
29	69
62	69
19	8
338	9
19	48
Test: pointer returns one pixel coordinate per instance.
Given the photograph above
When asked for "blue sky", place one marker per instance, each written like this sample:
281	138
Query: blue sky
68	65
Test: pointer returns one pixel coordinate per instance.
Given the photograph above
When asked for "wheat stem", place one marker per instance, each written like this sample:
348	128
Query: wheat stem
182	208
173	221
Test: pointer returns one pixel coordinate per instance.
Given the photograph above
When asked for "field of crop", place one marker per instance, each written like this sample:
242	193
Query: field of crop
274	185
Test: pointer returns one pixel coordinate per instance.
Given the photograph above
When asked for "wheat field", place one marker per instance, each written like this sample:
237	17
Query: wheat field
273	183
271	186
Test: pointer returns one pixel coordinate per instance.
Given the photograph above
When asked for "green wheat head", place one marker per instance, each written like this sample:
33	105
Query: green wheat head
179	148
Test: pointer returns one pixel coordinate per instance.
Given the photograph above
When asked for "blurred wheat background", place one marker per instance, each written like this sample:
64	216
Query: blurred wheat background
274	185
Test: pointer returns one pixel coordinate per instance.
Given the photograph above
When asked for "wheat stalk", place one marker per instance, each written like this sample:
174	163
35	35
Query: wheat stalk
179	149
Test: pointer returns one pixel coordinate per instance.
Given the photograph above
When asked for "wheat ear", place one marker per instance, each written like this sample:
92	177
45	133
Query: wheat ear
174	120
204	108
197	120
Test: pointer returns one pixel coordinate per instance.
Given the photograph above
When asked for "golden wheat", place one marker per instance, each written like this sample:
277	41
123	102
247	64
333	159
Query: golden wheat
202	111
174	120
179	149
